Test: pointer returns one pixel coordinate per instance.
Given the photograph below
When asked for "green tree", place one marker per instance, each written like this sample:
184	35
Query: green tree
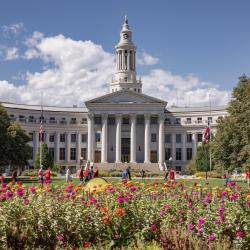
231	146
202	157
47	160
14	149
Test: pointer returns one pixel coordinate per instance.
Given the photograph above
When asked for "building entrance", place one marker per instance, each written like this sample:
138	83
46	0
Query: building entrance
125	149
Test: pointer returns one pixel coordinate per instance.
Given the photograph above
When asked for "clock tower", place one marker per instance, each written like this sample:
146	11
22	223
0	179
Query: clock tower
125	76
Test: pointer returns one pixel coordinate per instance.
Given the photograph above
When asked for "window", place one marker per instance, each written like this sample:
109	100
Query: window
52	120
98	120
31	135
84	121
189	138
210	119
167	121
51	138
177	120
97	137
153	120
199	137
140	120
22	118
111	120
32	119
153	137
42	119
125	120
73	137
62	154
178	168
62	137
188	120
84	137
178	138
73	121
135	90
178	154
167	138
63	120
167	153
52	153
189	154
84	153
72	154
199	120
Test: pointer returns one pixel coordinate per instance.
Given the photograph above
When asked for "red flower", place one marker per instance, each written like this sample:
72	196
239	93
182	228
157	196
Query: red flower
87	244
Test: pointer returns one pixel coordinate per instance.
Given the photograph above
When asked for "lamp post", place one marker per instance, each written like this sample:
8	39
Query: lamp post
81	161
170	161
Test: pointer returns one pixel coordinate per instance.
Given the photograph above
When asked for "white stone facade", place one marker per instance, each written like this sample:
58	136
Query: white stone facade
123	126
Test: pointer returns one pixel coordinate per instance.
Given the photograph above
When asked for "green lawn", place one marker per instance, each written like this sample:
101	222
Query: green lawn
61	180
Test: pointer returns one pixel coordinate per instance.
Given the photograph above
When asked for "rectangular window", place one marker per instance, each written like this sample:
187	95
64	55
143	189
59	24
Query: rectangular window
22	118
111	120
125	121
97	137
153	120
84	153
153	137
52	120
189	154
73	137
73	121
98	120
63	120
178	154
167	153
177	120
189	138
140	120
62	154
72	154
84	120
51	138
199	120
84	137
32	119
52	153
188	120
167	138
199	137
167	121
210	119
62	137
178	138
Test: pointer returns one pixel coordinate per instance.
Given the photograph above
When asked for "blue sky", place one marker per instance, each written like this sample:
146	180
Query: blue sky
207	41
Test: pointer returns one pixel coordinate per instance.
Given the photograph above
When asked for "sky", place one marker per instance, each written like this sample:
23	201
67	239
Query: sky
188	52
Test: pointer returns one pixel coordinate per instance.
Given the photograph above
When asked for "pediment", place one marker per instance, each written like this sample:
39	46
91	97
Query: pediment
126	97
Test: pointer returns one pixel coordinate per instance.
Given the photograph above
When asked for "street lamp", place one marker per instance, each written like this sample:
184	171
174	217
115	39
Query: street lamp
81	161
170	161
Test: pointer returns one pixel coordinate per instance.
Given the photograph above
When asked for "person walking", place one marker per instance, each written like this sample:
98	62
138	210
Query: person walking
171	174
68	179
96	173
86	174
40	175
14	176
90	173
48	175
142	172
81	174
166	174
129	173
248	177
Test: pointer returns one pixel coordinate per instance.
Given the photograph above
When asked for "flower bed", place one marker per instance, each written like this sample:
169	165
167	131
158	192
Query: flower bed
172	214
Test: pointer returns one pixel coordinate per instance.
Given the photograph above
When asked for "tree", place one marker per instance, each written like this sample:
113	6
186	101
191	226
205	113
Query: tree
47	160
202	157
231	146
14	149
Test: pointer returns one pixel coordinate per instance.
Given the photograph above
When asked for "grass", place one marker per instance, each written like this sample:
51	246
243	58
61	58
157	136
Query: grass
59	181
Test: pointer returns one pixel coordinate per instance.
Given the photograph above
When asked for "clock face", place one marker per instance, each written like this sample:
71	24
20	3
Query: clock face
125	36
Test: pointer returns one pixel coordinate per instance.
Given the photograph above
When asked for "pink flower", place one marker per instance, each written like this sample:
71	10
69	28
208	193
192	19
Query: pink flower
201	221
231	184
248	203
240	233
216	222
4	185
60	237
20	192
32	190
132	189
191	227
211	237
93	200
162	212
153	228
208	199
26	200
190	204
9	194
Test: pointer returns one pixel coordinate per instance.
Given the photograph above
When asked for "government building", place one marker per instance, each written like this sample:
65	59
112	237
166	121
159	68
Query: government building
125	125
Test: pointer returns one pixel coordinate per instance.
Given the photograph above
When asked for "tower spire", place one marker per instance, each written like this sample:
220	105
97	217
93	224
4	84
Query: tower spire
125	76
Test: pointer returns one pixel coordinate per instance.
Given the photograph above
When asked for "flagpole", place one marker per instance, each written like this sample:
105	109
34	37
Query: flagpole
210	153
40	133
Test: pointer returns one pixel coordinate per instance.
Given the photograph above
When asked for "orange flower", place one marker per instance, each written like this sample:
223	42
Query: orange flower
104	209
120	212
32	177
105	219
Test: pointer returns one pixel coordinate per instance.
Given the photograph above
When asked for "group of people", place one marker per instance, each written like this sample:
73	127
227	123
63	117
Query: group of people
88	173
44	175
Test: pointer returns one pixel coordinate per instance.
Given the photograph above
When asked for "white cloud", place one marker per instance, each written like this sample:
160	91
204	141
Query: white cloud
15	28
11	53
147	59
75	71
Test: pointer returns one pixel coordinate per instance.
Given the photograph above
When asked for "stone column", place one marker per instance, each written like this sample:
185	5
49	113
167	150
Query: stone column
147	139
173	147
183	147
35	144
133	138
57	147
47	139
194	141
123	61
90	136
104	138
128	60
161	139
79	146
68	146
118	139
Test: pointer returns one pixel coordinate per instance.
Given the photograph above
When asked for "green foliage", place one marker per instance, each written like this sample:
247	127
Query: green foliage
231	146
57	167
14	149
47	160
34	172
212	174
